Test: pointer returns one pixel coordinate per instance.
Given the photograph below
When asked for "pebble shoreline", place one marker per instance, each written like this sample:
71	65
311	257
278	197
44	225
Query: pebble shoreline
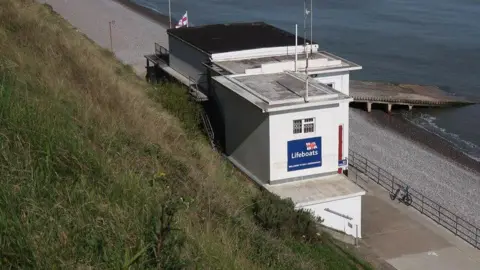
431	173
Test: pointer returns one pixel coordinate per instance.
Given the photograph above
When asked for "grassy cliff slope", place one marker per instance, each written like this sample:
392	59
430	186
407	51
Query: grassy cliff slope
99	170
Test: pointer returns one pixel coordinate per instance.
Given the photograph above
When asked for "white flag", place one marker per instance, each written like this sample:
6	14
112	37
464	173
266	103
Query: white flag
183	21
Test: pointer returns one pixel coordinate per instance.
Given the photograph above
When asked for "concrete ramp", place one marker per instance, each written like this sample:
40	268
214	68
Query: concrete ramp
403	94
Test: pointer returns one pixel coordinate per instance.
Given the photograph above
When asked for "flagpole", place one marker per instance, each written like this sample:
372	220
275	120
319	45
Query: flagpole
188	20
311	26
305	47
306	72
296	45
170	13
305	24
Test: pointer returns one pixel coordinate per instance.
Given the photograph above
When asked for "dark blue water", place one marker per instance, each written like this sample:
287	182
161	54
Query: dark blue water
433	42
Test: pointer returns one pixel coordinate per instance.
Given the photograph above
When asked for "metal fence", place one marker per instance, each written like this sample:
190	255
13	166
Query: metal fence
444	217
160	50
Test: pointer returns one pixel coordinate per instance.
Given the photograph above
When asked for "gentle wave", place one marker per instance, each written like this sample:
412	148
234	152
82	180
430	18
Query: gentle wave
427	122
148	6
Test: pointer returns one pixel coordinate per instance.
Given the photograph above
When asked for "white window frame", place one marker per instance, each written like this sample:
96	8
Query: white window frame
304	126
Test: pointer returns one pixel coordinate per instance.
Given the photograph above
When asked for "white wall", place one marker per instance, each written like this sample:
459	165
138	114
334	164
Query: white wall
187	60
351	207
281	131
340	80
262	52
246	132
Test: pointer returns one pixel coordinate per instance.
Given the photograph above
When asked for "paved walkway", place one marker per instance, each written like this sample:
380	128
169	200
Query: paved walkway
133	35
409	240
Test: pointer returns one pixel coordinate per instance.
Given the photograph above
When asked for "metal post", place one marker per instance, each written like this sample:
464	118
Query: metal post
423	199
356	235
110	23
170	13
296	45
306	72
439	208
378	175
311	26
477	232
305	47
305	24
456	225
393	183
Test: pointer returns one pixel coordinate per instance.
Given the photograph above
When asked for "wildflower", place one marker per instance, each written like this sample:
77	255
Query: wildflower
159	174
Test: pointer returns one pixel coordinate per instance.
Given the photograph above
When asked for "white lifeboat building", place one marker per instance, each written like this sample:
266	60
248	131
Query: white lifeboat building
289	136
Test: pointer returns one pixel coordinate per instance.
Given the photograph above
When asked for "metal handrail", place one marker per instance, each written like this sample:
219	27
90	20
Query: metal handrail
438	213
208	128
203	115
160	50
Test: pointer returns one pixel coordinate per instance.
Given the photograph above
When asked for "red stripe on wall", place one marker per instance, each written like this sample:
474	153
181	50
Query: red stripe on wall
340	145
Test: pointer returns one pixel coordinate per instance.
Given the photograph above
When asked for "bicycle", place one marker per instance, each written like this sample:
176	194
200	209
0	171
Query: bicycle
406	198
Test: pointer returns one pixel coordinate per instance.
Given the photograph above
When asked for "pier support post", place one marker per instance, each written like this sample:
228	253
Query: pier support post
410	107
369	107
389	108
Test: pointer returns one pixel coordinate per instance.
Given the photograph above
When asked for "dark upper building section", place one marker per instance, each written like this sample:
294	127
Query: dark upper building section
220	38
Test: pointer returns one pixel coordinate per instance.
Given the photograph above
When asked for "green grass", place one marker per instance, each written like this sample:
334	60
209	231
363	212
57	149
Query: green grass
95	172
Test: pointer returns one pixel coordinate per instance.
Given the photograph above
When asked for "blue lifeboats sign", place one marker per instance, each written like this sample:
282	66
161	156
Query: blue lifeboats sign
304	153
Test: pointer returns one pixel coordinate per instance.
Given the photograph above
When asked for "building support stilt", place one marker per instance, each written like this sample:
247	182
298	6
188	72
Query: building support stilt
389	108
369	107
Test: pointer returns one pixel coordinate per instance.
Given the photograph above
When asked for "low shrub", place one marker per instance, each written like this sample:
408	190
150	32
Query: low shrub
280	217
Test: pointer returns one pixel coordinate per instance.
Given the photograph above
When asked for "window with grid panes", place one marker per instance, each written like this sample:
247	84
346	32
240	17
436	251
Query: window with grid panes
304	126
297	126
308	125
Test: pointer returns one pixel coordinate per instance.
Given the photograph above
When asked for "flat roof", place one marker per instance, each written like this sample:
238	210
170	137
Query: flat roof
280	91
221	38
317	190
332	62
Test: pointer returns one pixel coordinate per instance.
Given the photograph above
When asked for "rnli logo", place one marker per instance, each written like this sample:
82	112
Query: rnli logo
311	146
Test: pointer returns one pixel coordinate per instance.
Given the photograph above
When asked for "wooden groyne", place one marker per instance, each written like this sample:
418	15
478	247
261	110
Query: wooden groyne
403	94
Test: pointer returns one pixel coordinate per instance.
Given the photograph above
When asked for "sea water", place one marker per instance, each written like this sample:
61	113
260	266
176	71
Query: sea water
433	42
